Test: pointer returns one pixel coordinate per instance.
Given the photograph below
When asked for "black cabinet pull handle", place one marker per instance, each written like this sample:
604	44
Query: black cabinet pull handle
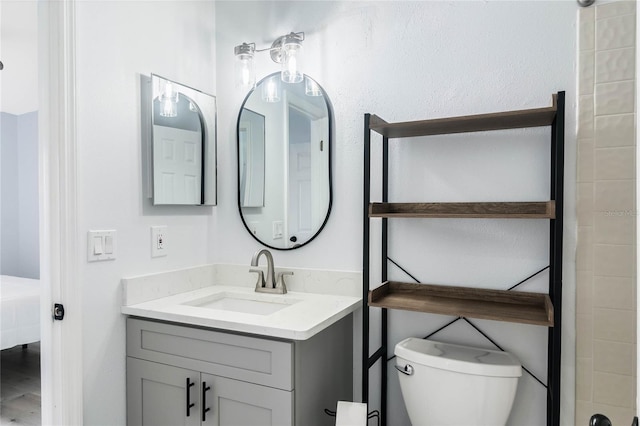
205	388
189	404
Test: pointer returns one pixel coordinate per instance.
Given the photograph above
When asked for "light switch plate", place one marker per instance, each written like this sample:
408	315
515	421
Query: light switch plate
101	245
159	246
278	229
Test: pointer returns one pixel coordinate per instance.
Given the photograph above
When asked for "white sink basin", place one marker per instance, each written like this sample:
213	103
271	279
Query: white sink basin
248	303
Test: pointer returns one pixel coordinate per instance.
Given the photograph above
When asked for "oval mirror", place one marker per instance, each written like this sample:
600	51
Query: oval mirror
284	162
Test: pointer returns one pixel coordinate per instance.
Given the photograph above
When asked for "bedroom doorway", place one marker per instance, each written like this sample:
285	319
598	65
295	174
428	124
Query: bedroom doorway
60	348
20	381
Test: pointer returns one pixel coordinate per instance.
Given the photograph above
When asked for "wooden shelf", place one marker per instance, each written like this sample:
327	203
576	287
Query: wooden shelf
471	123
498	305
490	210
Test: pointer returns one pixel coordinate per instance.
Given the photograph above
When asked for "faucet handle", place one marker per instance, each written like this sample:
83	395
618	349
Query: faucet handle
260	281
280	280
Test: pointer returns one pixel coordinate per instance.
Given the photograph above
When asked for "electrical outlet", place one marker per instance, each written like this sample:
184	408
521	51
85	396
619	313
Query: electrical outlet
159	241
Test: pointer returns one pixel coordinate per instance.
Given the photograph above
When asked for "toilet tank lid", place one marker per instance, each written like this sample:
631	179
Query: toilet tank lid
462	359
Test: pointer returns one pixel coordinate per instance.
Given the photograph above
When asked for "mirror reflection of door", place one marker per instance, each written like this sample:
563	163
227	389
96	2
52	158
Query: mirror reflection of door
177	156
307	165
299	206
251	152
308	194
179	143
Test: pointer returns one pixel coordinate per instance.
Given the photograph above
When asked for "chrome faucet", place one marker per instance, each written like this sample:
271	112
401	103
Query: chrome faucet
270	284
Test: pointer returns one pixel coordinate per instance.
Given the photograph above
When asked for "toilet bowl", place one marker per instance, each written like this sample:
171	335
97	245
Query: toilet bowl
444	384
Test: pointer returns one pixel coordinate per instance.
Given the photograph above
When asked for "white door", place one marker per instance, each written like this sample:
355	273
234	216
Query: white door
300	197
300	194
307	177
177	166
319	171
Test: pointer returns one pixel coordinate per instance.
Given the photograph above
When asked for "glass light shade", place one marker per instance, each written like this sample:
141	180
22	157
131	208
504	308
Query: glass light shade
291	55
169	100
311	88
245	71
271	90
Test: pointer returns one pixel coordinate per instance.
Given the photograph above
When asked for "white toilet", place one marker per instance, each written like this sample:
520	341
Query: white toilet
444	384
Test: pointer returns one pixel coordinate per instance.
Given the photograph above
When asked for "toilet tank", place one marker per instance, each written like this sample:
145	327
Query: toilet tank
447	384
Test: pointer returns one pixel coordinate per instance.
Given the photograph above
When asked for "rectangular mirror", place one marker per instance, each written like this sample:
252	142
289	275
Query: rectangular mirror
182	141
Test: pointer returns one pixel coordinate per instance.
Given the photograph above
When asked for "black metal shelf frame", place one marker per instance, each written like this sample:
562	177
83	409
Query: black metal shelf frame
555	269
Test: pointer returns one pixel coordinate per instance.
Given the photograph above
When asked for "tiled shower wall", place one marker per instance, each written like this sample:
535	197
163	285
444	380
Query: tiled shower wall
606	210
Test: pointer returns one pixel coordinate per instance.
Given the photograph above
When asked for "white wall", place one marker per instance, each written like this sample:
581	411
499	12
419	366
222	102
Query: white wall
19	47
416	60
116	42
402	61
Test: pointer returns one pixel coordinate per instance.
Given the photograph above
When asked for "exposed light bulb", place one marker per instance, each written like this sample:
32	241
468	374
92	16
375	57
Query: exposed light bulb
245	72
291	52
169	100
311	88
271	90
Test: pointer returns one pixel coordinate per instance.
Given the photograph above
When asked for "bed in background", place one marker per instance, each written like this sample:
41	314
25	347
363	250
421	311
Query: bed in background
19	311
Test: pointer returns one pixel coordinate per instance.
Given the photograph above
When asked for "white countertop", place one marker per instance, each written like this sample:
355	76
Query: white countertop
310	314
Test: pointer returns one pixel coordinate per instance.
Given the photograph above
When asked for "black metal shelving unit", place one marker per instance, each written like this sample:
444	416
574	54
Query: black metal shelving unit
464	303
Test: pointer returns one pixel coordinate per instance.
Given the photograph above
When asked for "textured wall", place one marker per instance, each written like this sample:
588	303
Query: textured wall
606	254
416	60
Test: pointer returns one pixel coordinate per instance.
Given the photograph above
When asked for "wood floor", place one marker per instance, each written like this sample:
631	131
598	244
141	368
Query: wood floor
20	386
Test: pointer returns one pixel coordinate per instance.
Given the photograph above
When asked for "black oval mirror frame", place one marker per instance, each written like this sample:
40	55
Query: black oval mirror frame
293	239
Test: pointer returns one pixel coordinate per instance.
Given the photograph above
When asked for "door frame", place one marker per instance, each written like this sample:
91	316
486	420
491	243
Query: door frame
61	341
637	212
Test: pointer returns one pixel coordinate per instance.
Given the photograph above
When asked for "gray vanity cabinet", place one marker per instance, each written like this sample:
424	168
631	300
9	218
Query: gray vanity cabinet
234	379
157	396
149	383
234	402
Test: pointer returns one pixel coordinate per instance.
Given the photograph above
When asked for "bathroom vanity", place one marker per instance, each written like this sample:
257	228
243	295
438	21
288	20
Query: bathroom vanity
187	375
204	356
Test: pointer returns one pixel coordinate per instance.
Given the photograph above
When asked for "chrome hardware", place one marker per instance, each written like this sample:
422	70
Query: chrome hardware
260	281
270	280
280	281
268	284
408	370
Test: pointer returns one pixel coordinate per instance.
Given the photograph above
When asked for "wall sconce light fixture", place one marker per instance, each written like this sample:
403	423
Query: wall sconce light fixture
168	100
285	50
271	90
311	88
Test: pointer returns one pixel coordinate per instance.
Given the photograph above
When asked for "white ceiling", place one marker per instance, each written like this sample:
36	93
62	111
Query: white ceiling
19	54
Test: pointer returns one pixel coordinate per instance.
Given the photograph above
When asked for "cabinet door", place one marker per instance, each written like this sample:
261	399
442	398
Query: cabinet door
236	403
157	394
